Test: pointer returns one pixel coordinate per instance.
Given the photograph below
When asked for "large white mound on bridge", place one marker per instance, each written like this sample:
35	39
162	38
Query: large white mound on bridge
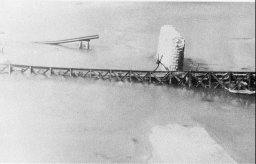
170	49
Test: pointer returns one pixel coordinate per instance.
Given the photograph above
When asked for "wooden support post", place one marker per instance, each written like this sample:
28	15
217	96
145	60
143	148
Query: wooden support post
10	69
30	70
88	45
170	78
110	75
249	76
210	79
70	72
189	79
50	71
229	80
81	45
130	76
150	77
90	75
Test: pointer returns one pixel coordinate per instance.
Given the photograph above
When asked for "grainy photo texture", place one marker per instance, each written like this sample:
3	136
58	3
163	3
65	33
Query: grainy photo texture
127	82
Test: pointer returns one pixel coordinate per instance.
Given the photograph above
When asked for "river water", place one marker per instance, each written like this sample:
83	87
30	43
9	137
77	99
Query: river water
61	120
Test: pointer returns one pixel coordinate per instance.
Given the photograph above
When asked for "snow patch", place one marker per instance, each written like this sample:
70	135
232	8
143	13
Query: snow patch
181	144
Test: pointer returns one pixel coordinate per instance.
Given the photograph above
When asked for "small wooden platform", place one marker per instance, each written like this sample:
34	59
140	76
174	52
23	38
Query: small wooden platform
234	81
80	39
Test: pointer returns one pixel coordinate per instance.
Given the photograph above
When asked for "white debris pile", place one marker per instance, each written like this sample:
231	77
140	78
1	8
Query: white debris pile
170	50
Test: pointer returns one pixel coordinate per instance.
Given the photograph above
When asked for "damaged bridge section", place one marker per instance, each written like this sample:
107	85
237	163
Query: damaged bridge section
86	39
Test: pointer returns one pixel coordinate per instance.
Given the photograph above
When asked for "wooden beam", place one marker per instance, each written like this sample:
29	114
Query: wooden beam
122	78
219	81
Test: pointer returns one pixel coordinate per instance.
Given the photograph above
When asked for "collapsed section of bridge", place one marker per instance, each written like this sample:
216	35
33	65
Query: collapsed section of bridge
86	39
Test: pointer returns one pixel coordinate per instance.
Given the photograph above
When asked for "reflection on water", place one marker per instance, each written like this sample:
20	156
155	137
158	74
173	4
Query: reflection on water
223	96
100	121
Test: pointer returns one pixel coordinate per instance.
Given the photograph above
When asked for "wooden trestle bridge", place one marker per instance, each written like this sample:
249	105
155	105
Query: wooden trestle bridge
235	81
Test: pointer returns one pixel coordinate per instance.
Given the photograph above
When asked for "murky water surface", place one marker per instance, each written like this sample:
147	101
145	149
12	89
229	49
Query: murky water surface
57	120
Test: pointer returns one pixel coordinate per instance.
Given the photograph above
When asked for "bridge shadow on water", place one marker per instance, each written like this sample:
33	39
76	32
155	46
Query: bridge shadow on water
222	96
219	95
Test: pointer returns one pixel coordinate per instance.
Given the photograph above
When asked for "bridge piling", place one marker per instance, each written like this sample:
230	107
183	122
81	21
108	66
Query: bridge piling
81	45
88	45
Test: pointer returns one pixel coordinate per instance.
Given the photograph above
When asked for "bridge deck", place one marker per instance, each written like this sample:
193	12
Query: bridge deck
234	81
86	38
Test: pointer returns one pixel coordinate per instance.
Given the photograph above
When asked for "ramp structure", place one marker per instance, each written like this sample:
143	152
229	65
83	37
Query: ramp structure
86	39
238	82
